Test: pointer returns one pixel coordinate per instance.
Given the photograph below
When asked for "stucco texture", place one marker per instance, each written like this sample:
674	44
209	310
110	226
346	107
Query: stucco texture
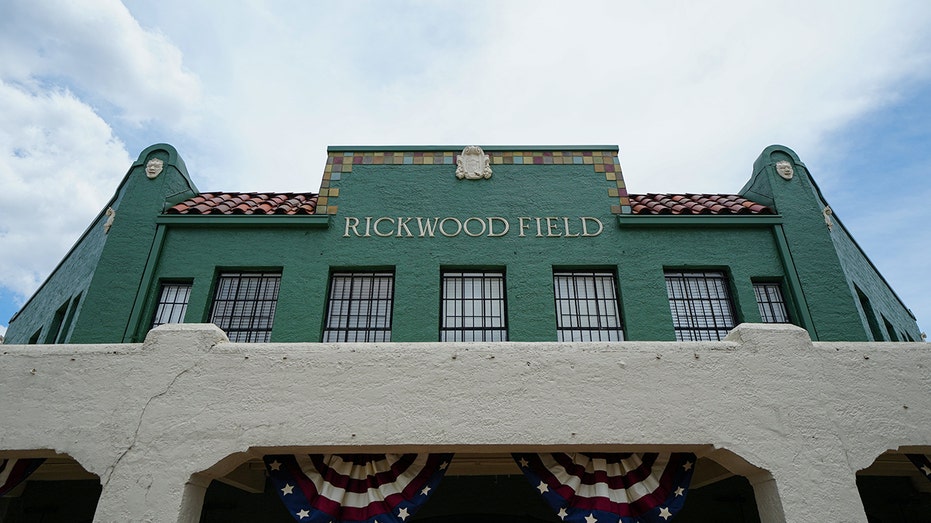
156	421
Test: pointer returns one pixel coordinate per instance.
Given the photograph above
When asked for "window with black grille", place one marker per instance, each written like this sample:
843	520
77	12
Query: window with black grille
172	303
359	307
244	305
772	304
701	306
587	306
473	307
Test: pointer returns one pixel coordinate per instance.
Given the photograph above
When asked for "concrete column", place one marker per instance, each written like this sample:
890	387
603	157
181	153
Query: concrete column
193	499
767	500
824	490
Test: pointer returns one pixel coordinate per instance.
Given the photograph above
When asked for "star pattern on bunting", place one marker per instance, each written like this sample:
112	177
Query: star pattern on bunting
590	487
304	482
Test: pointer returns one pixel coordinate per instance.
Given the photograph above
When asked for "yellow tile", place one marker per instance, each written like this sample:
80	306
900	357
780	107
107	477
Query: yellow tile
587	159
610	177
322	200
334	192
600	168
428	160
331	209
612	193
347	167
497	159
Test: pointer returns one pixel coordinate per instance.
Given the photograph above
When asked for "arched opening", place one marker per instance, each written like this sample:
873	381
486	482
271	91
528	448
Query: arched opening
488	487
59	489
895	488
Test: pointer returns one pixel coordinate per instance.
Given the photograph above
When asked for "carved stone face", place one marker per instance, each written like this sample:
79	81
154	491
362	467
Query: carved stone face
153	168
784	169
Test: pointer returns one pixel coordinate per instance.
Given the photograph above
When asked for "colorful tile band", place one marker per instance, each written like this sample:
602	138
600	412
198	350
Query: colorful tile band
606	162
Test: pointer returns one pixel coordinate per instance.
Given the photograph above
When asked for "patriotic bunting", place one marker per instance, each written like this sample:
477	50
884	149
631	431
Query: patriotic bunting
922	462
355	488
610	488
15	471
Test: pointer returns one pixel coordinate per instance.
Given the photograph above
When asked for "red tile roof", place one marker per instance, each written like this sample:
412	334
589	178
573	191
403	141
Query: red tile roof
685	204
306	203
247	203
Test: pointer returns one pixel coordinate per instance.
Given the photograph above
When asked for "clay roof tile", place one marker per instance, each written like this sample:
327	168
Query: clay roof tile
695	204
247	203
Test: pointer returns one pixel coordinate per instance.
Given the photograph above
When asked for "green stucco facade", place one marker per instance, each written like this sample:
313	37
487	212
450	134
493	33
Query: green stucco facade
402	209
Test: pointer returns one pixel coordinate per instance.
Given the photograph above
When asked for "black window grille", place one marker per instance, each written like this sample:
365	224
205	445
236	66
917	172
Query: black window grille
700	303
772	304
359	308
244	305
172	303
587	307
473	307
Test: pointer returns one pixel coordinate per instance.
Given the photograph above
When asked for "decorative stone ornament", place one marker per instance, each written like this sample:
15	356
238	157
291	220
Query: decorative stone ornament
153	168
784	169
473	164
827	213
111	214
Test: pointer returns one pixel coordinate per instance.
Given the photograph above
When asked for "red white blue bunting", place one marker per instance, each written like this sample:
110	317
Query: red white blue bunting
15	471
355	488
922	462
610	488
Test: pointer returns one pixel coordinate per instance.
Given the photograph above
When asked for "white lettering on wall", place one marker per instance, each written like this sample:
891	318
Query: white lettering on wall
473	226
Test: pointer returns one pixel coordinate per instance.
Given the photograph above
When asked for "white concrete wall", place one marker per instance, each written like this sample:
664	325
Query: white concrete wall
156	421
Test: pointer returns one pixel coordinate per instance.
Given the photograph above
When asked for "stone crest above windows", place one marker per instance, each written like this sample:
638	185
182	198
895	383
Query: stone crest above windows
473	164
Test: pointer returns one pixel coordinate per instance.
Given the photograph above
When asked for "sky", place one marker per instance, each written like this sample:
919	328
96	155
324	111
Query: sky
252	92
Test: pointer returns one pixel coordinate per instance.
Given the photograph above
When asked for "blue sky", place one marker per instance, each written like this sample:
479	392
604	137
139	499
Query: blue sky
251	93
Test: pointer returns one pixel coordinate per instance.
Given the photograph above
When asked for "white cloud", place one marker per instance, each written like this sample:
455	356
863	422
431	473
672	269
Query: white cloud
98	48
58	160
71	72
690	92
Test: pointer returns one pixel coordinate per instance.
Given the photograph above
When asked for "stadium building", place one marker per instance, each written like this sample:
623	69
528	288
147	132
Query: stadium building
482	304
